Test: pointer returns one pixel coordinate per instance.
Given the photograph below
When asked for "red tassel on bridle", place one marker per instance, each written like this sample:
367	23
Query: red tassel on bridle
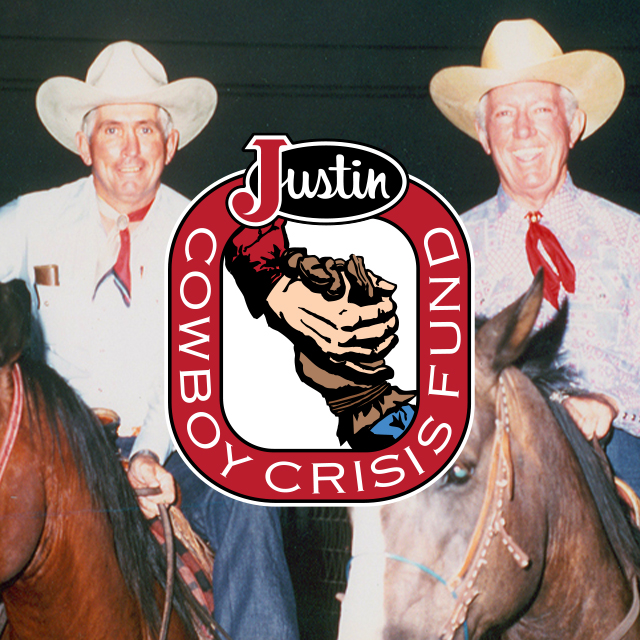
561	269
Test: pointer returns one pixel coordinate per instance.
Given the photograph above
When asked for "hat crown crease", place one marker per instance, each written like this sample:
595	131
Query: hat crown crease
126	69
515	45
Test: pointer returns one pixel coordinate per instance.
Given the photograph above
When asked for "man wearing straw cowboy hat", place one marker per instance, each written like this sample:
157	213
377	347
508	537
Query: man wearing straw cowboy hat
92	253
528	104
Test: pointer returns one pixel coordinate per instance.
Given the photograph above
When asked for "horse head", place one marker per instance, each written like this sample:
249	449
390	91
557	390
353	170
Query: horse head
72	536
470	554
21	484
15	314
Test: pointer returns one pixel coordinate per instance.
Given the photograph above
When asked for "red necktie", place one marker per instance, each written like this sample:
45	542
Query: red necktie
561	269
122	269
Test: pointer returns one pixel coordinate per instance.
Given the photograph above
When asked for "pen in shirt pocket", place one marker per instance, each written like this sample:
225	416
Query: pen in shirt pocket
46	275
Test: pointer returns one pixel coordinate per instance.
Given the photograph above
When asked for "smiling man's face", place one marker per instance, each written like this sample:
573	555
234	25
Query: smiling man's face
528	136
127	153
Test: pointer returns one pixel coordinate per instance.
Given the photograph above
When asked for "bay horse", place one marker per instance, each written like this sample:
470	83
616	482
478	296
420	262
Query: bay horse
77	558
524	536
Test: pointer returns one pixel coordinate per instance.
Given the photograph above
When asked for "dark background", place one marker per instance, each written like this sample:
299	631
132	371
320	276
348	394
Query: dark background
354	70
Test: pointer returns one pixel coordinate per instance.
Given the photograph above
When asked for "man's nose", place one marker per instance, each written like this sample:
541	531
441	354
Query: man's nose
524	125
131	145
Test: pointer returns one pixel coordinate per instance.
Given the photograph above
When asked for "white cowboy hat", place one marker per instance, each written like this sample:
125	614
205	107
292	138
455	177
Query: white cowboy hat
523	51
124	73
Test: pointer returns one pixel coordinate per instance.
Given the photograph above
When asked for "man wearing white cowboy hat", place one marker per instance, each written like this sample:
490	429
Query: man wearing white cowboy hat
92	253
528	104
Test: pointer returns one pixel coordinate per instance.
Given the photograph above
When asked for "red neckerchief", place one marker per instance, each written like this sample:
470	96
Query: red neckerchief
561	269
122	269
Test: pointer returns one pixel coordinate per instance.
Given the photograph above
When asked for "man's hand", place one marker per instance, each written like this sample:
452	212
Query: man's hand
348	333
146	472
593	413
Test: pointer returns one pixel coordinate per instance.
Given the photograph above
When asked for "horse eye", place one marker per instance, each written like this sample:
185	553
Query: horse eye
459	474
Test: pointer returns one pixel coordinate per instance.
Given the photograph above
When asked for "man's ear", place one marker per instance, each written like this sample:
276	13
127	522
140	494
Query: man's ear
84	149
482	137
577	127
171	145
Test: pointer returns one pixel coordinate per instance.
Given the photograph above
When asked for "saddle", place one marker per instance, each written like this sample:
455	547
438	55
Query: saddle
193	557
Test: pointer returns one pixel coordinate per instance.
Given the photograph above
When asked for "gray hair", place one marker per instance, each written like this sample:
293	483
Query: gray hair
569	101
164	118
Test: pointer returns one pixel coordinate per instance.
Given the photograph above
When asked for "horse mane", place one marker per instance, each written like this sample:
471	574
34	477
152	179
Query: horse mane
543	363
139	556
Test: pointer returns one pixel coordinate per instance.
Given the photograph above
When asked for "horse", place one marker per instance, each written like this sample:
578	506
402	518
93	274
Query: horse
77	558
524	537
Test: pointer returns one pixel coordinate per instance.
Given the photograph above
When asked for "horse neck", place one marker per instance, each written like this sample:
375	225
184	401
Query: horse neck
582	590
73	583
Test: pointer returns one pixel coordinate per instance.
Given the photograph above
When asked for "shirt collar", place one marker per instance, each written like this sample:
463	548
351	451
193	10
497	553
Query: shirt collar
559	212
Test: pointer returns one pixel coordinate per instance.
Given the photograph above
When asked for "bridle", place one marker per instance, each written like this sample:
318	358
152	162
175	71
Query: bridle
491	524
9	440
15	416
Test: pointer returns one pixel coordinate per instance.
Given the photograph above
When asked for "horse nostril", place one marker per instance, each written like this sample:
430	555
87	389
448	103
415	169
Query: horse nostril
395	632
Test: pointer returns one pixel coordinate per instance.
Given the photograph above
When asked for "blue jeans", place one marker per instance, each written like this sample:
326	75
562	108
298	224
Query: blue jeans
252	590
623	451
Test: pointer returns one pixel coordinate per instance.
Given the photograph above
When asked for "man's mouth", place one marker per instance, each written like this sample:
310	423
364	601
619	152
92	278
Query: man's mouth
130	169
528	154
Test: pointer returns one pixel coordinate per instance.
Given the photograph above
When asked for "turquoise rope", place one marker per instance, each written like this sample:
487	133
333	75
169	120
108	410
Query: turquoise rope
423	568
431	572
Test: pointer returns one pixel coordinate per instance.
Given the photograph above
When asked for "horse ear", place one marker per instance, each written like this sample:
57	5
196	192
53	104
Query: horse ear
503	338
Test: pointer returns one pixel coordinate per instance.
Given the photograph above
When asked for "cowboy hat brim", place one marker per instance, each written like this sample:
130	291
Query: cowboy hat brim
594	78
62	103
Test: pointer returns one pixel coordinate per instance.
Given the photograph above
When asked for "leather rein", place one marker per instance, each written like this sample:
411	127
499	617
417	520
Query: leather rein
491	525
15	416
491	522
8	442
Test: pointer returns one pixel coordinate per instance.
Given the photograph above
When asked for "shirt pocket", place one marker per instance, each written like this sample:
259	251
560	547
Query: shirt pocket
51	310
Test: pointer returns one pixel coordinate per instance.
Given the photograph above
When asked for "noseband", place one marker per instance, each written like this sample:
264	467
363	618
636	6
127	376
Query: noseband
15	415
491	523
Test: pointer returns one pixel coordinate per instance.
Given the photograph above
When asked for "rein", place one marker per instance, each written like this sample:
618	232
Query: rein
491	523
170	558
629	620
214	630
15	415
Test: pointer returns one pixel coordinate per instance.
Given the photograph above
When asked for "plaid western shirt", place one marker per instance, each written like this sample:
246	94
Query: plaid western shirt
602	342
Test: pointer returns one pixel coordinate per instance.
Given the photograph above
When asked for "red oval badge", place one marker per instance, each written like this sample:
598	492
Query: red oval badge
314	361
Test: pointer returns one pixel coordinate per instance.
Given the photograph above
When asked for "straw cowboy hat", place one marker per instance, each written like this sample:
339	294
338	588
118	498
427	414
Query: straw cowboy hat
523	51
124	73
